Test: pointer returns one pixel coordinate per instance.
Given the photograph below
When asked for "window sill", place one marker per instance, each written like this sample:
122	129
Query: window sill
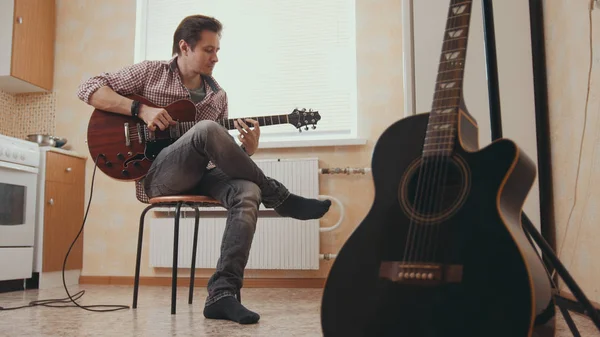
296	143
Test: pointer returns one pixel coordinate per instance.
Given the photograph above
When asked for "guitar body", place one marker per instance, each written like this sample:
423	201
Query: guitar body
491	281
125	159
126	148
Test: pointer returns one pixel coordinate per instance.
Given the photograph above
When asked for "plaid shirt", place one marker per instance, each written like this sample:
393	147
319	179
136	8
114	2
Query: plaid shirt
160	83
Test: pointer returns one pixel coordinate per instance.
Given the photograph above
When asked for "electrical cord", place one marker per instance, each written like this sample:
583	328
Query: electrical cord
54	303
585	118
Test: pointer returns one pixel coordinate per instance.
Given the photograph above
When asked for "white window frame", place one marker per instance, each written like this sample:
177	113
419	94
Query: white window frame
303	139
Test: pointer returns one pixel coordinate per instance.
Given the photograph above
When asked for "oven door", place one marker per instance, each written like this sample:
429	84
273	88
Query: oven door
18	193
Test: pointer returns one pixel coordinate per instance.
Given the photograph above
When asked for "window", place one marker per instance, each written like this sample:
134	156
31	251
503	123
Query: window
275	56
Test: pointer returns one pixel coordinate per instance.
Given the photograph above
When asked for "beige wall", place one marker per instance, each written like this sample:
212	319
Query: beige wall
568	54
94	36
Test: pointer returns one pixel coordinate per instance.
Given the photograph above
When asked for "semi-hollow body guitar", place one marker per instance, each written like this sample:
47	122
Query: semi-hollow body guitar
125	146
441	252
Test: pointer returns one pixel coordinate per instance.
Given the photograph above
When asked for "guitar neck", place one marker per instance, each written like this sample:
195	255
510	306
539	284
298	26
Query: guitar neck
443	119
262	121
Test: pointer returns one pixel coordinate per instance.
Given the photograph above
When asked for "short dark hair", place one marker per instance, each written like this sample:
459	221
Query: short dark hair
190	27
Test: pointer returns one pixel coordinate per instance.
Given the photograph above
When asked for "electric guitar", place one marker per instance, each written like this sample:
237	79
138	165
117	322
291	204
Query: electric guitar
441	252
125	146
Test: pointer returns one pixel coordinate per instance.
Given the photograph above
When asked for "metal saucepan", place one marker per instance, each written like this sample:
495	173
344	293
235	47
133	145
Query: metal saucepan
47	140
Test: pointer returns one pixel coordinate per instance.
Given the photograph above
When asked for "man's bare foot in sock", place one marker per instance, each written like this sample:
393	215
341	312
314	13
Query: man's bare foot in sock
301	208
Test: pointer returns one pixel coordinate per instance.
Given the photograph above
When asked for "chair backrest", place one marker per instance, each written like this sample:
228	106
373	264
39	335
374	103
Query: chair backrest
140	193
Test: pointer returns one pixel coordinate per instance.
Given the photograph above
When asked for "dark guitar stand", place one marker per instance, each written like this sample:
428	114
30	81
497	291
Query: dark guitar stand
543	148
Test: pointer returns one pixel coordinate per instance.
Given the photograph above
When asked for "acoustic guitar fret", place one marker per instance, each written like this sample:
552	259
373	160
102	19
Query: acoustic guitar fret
439	144
443	118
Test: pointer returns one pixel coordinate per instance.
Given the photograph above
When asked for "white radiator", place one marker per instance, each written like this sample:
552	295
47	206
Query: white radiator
279	243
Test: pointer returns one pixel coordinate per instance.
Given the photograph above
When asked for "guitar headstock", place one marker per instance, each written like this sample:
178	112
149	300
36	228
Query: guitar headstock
303	118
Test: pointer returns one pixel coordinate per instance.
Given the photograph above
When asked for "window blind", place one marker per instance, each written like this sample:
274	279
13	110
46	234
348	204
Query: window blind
275	56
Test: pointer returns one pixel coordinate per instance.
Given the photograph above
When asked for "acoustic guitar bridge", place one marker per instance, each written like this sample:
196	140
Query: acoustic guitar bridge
420	273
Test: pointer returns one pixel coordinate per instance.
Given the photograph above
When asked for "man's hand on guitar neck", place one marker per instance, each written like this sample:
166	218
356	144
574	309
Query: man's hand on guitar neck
249	137
155	117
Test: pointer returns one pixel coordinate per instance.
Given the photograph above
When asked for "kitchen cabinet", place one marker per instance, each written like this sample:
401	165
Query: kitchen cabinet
27	35
60	215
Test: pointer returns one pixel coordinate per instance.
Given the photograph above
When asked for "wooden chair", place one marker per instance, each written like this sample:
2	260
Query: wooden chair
177	201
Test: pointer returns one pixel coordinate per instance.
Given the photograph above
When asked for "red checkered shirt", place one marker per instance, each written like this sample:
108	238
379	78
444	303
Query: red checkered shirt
160	83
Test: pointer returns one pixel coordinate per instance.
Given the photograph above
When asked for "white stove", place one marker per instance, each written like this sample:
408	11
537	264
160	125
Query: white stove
19	168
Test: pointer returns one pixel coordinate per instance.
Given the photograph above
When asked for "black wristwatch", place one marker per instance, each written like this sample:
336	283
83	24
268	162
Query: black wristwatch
135	108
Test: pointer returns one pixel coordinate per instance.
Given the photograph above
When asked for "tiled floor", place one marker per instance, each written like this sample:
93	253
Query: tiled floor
284	312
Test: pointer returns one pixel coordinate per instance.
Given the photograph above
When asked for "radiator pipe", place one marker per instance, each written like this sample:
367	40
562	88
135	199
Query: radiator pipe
328	256
336	200
346	170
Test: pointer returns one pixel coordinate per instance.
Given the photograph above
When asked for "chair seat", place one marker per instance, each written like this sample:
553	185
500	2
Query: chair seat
197	199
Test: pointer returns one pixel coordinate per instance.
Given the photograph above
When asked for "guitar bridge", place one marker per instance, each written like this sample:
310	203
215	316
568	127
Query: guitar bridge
420	273
127	136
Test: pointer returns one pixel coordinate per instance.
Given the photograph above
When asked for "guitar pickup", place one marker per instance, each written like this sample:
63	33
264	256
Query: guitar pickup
175	130
148	134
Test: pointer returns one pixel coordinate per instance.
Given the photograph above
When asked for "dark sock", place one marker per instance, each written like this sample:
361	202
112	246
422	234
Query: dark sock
301	208
231	309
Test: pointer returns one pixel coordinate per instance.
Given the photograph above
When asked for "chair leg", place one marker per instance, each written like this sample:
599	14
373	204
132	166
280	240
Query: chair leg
175	253
138	258
194	251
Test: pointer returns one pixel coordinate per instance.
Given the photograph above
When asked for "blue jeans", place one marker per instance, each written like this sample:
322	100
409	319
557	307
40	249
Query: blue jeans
236	181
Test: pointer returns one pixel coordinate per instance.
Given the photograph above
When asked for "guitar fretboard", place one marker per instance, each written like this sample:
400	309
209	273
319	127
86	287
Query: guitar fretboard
443	119
229	125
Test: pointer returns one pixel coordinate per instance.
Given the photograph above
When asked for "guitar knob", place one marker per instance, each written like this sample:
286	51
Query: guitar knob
120	156
125	172
108	164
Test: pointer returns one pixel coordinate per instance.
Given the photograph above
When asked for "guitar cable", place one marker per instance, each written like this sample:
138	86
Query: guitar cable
585	120
62	302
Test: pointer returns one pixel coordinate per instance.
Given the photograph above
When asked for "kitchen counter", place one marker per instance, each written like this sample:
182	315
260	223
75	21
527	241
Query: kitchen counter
63	151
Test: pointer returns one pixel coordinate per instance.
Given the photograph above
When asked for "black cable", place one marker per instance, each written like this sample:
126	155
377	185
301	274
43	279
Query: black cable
52	302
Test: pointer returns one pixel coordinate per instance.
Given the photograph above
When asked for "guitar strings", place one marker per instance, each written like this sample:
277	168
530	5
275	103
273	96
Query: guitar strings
415	229
457	69
416	235
228	123
421	245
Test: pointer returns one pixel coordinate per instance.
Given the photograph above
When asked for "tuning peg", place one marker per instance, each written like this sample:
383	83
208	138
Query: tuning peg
299	129
314	127
306	127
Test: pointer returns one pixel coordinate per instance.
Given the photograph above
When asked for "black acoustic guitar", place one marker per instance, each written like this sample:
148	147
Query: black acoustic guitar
442	252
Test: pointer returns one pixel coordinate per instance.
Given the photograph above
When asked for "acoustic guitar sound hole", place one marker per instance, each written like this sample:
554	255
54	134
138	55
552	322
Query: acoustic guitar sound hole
433	189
